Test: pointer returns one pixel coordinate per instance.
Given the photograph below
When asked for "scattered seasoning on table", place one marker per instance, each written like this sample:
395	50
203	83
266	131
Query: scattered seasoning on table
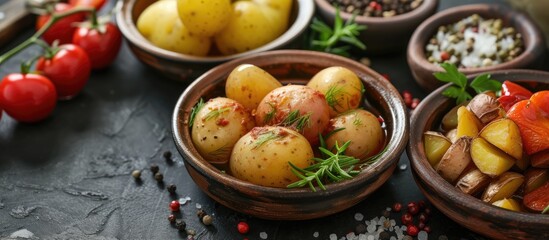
243	227
174	206
154	168
171	188
402	167
263	235
136	174
171	218
167	155
377	8
359	216
360	228
474	42
207	220
180	225
158	177
397	207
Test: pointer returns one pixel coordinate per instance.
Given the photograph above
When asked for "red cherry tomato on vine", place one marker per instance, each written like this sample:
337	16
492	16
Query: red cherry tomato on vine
62	29
101	46
69	69
97	4
27	97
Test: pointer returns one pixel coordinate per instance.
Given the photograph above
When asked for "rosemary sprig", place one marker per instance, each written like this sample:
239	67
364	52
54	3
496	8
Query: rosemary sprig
335	168
216	113
270	115
339	39
195	110
265	137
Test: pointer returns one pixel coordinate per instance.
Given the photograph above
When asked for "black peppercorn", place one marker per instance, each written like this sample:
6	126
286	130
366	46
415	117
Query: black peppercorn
154	168
171	218
171	188
180	225
360	228
167	155
159	177
200	213
384	235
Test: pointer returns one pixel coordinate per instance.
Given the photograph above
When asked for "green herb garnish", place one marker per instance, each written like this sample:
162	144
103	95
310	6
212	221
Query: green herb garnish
458	90
195	110
300	121
335	168
545	210
265	137
331	95
216	113
270	115
326	39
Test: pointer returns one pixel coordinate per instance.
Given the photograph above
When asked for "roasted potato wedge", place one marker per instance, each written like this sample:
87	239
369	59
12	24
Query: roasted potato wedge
485	107
452	135
508	203
504	134
535	178
468	123
455	160
502	187
473	182
540	159
435	145
450	119
489	159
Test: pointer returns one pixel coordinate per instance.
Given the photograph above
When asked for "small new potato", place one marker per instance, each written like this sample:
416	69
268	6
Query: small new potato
160	24
361	128
249	84
341	87
217	126
204	18
261	156
298	107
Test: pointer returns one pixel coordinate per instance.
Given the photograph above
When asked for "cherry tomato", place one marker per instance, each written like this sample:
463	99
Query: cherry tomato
27	97
69	70
62	29
97	4
102	47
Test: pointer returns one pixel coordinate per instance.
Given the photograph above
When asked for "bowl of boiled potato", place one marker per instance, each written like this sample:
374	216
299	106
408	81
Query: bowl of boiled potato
184	38
290	134
485	162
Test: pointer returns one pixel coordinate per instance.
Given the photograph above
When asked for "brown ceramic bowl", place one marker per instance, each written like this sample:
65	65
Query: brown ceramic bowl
422	70
292	66
468	211
186	67
384	35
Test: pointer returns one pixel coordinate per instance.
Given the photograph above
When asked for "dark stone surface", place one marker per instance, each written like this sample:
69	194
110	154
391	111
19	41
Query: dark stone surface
69	177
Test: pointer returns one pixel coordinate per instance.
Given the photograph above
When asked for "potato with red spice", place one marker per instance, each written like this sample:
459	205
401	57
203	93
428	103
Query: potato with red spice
298	107
261	156
249	84
217	126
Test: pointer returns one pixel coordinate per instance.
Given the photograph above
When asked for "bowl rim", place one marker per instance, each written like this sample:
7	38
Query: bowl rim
530	32
425	7
305	12
423	170
395	146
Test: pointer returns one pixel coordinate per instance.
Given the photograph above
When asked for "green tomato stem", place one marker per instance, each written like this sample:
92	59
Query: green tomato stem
54	18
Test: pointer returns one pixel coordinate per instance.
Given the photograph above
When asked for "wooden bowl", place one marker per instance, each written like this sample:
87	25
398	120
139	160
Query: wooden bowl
295	66
422	70
185	67
384	35
468	211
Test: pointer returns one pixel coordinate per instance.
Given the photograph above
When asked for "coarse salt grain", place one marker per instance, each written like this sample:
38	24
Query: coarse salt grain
315	234
422	235
333	236
198	206
371	228
263	235
359	216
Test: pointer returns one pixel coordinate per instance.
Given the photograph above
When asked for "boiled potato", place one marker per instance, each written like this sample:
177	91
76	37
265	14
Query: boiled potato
504	134
248	85
261	156
160	24
502	187
217	126
341	87
251	26
485	107
204	18
508	203
298	107
435	145
468	123
361	128
473	182
489	159
455	160
535	178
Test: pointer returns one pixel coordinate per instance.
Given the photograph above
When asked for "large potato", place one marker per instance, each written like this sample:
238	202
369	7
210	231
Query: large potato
485	107
252	25
204	18
473	182
489	159
468	123
298	107
248	85
504	134
502	187
361	128
160	24
217	126
261	156
341	87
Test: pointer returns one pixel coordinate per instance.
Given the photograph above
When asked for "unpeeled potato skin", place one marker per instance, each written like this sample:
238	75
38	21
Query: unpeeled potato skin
502	187
473	182
455	160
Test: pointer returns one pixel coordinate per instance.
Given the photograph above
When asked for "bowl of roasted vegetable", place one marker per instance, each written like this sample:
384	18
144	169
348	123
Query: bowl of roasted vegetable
185	38
290	134
479	150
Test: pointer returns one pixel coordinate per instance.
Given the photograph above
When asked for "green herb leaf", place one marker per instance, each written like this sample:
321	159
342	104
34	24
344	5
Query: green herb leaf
336	167
194	111
294	118
265	137
483	83
459	88
452	75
